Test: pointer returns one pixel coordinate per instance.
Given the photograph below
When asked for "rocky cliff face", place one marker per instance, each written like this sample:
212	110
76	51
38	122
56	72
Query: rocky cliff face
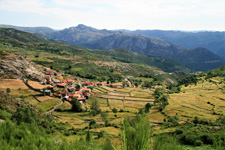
15	66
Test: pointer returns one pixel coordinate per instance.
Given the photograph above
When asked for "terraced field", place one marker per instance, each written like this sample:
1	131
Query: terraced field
197	101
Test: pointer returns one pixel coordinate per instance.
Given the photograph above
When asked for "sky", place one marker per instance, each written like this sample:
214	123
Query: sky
187	15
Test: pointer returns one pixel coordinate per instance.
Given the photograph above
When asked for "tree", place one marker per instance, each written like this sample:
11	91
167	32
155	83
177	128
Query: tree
114	111
104	116
163	101
196	120
88	136
8	90
158	93
76	105
95	107
148	106
136	84
25	114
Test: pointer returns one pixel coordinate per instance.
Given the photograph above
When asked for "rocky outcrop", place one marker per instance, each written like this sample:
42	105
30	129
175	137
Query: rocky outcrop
15	66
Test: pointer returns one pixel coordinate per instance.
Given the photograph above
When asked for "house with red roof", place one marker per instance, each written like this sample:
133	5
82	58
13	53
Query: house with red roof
103	83
116	85
86	90
81	99
57	95
70	82
128	83
48	77
63	93
74	95
79	92
62	85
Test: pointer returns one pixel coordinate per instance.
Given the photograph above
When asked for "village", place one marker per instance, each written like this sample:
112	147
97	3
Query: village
68	89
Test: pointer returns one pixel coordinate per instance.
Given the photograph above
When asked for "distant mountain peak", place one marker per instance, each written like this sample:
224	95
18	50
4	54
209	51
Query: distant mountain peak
84	27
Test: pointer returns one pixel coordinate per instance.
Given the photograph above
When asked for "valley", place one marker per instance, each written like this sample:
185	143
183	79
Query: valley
84	98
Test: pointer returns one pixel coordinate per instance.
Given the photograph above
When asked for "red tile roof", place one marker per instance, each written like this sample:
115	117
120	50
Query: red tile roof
81	98
49	87
62	84
70	95
63	92
87	94
76	95
47	69
47	76
56	94
70	81
79	92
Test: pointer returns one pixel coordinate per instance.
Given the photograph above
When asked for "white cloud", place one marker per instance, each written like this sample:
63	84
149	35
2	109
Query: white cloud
130	14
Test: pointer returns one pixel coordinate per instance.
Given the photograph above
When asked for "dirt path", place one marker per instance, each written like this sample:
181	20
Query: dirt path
54	108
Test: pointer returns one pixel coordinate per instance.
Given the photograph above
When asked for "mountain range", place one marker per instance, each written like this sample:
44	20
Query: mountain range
199	58
214	41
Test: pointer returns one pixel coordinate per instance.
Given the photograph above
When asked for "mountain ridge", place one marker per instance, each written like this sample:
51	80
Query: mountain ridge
89	37
212	40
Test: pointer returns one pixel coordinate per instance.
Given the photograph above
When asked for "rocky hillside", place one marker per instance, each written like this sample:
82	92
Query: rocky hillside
15	66
103	39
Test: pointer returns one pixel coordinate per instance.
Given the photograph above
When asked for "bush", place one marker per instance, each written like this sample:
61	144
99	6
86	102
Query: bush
95	108
4	115
207	139
8	90
121	110
76	105
114	110
101	134
25	114
108	145
178	131
198	143
196	120
136	133
92	122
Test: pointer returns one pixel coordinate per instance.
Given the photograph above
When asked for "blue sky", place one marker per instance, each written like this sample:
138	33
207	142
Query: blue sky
116	14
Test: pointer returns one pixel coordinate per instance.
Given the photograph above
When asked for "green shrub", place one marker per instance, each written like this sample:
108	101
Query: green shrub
92	122
101	134
25	114
76	105
198	143
136	133
4	115
178	131
108	145
8	90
